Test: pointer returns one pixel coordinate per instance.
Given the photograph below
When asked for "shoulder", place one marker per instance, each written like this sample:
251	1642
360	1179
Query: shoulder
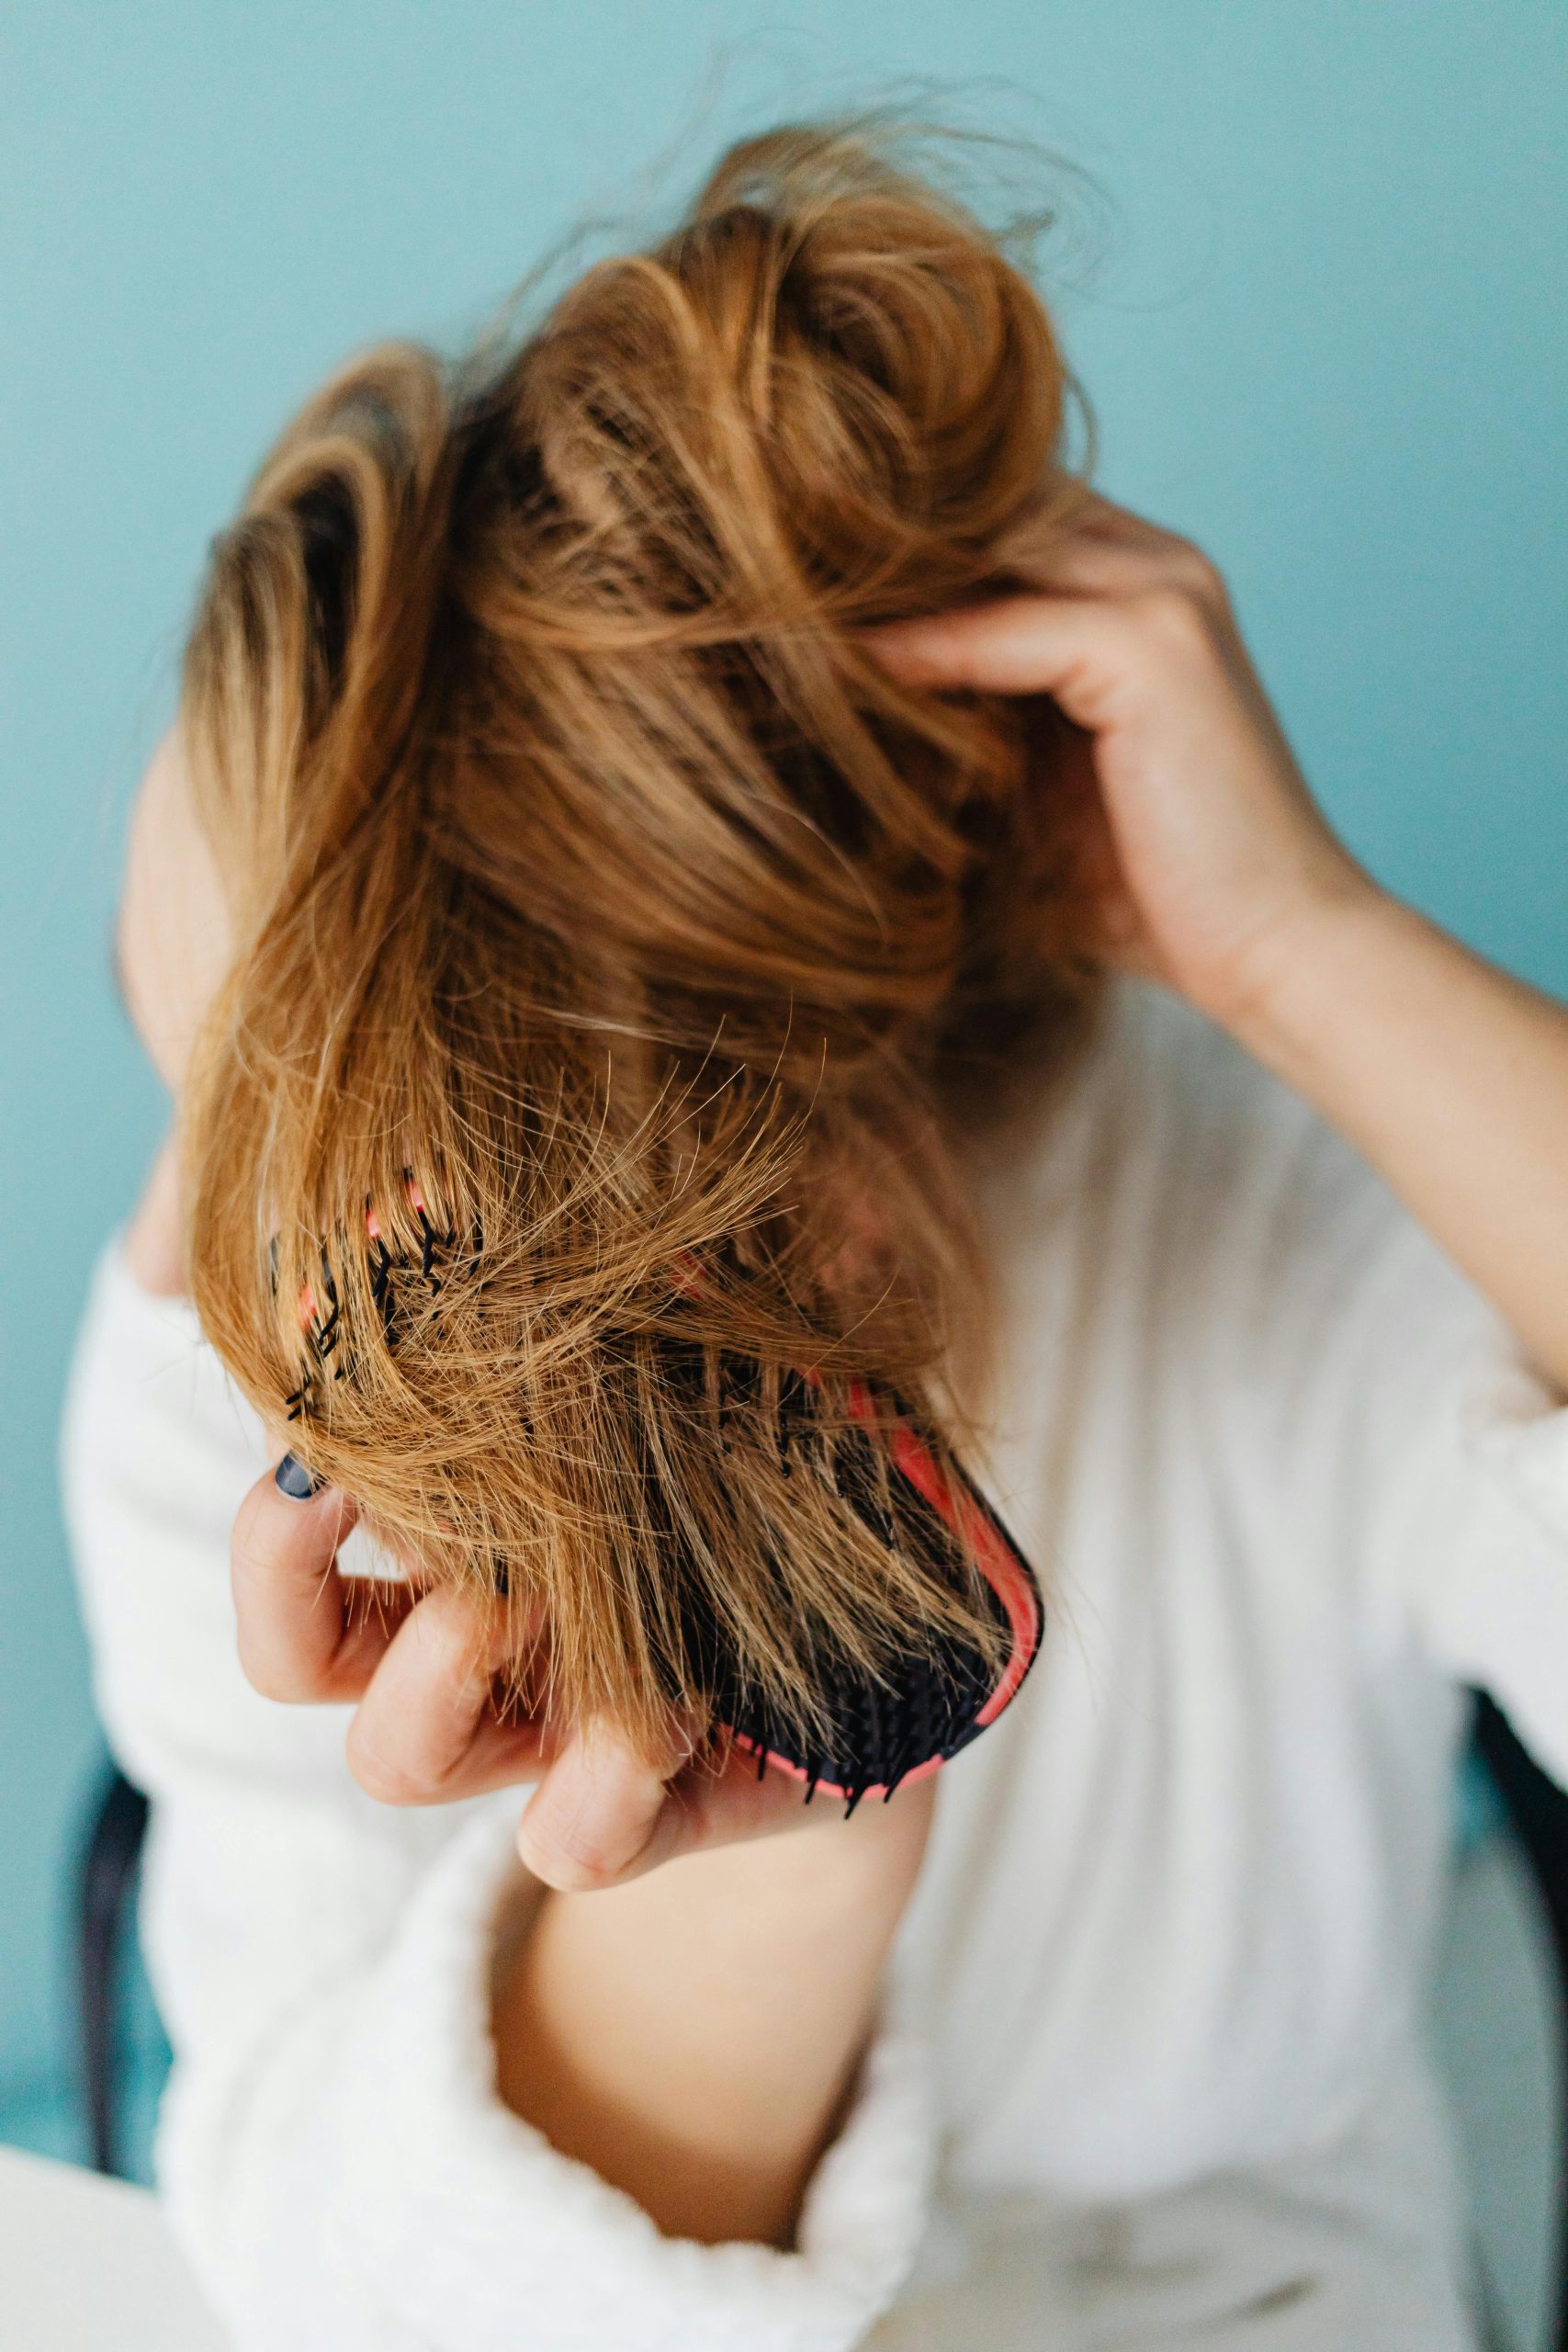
1179	1126
1227	1217
1179	1089
1282	1282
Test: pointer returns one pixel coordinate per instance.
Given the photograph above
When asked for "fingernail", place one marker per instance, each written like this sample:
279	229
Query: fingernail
292	1478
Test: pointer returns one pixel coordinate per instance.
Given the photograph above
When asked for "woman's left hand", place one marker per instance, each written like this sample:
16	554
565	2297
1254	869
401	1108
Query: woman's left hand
1217	850
1224	880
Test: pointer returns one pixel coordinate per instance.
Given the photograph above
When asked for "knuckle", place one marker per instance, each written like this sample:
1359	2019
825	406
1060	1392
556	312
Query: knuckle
452	1632
270	1676
1197	578
1204	580
268	1683
570	1866
1188	563
1173	615
389	1777
572	1854
575	1874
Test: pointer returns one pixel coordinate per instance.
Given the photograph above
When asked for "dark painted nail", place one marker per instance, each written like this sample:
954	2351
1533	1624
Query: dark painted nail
292	1478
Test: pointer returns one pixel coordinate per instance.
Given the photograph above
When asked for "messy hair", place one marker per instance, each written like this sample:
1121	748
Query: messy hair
618	946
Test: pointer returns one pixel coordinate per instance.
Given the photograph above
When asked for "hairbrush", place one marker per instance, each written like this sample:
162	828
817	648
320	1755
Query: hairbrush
905	1723
875	1733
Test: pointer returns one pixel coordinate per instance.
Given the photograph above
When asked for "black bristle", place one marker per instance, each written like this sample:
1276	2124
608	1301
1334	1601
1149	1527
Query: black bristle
871	1731
919	1708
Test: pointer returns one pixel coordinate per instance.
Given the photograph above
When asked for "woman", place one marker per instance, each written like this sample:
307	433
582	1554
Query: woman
646	774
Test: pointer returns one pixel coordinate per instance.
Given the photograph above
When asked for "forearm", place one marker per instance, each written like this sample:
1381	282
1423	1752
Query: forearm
1451	1077
692	2034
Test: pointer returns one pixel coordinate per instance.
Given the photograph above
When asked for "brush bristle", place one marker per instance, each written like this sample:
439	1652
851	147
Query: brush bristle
923	1709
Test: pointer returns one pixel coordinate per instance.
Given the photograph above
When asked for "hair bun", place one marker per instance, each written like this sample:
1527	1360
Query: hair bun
910	396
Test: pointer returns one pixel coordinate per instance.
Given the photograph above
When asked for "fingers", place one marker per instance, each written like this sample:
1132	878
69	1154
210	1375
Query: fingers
1105	550
1104	583
306	1634
1060	646
601	1813
603	1817
430	1726
429	1729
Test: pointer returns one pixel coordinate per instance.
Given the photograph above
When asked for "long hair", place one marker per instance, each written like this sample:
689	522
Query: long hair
614	939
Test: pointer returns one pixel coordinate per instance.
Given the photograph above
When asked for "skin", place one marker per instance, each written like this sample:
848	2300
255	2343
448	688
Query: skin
692	2033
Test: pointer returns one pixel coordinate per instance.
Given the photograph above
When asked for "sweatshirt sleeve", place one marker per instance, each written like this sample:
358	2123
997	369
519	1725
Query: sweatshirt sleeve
332	2148
1384	1407
1474	1541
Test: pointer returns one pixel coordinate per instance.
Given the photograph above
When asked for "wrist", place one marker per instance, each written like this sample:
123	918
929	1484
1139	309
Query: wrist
1305	973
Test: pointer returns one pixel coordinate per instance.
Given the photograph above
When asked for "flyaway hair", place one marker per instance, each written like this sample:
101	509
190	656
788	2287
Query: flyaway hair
616	944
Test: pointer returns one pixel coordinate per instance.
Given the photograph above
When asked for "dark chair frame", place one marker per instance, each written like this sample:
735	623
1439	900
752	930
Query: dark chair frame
1538	1815
110	1855
1537	1810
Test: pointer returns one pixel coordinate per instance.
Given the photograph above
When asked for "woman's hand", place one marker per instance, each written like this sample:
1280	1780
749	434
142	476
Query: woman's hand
421	1669
1215	854
691	2035
1221	878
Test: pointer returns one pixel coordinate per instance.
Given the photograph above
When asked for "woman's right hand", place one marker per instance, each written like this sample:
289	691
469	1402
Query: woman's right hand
694	2043
421	1669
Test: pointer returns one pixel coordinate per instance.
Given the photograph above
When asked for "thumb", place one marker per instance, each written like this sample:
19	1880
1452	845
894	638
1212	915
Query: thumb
597	1815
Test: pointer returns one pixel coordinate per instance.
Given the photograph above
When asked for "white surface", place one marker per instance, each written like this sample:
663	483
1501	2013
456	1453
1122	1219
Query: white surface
87	2266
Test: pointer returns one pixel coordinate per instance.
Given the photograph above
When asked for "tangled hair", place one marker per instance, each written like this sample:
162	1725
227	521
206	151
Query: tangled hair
616	941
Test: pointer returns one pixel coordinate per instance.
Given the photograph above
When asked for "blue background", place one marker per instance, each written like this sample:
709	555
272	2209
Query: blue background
1319	313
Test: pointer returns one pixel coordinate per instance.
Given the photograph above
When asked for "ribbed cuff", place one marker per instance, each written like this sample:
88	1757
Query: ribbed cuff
480	2233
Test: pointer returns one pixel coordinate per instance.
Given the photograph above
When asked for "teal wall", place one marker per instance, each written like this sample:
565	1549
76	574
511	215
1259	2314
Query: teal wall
1324	332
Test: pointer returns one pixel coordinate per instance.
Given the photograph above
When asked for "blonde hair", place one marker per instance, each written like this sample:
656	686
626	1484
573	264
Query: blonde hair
615	937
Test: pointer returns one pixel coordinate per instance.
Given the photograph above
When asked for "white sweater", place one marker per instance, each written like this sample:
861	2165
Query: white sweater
1147	2070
